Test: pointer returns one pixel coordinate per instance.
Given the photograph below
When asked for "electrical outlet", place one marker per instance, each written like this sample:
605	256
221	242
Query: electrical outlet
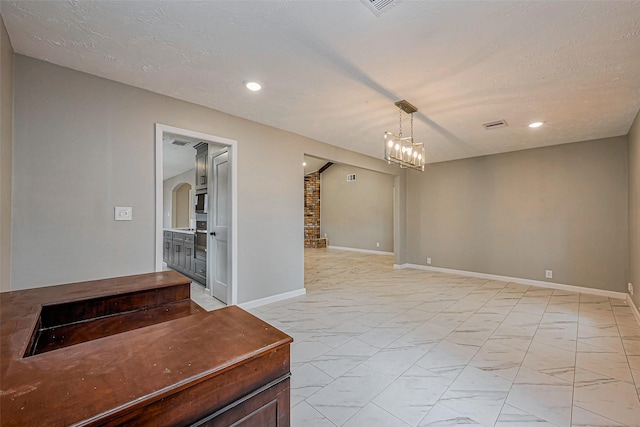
630	288
123	213
377	244
548	274
428	261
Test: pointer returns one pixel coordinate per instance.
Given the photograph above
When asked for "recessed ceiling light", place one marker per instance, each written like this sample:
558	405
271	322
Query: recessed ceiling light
253	86
304	163
535	124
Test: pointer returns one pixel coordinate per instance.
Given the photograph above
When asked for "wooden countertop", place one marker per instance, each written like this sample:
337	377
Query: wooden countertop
85	383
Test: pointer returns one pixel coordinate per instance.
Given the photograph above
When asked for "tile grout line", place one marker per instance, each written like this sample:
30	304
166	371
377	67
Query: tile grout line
624	348
400	375
356	366
394	289
454	380
476	311
525	355
575	359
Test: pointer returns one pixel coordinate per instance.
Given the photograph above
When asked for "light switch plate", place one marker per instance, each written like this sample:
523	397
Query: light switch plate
123	213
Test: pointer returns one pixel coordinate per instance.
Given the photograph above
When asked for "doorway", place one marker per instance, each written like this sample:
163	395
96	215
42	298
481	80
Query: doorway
230	250
349	212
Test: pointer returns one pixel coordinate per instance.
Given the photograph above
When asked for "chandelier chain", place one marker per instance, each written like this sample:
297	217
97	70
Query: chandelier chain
411	127
400	112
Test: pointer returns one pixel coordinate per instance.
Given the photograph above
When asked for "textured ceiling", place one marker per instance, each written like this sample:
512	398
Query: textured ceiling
331	70
313	164
177	159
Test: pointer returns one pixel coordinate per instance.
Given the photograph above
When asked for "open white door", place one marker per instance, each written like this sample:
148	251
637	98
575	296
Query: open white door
218	245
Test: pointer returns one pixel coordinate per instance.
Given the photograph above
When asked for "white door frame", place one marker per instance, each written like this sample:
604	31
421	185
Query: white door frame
233	158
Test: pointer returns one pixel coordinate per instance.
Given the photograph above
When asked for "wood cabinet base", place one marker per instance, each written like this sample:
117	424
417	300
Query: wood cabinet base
117	366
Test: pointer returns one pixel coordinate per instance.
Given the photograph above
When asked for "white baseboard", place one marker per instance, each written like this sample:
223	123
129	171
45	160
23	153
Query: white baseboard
364	251
539	283
273	298
634	309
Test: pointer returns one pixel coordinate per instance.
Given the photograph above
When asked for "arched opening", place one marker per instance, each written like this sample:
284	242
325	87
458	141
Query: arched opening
181	206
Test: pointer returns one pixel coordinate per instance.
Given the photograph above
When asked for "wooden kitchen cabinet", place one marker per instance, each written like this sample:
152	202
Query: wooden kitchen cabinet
202	152
166	250
179	254
167	242
189	256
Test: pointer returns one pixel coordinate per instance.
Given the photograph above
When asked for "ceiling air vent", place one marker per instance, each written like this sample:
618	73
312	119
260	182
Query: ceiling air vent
378	6
179	143
495	125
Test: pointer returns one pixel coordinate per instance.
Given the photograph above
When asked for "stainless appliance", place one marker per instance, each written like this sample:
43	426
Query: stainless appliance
201	201
201	240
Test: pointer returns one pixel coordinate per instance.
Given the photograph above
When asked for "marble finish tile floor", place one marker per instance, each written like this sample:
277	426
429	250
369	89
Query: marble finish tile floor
376	346
205	301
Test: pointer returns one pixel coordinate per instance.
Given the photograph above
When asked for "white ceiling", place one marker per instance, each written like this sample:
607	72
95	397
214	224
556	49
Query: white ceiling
313	164
177	159
332	70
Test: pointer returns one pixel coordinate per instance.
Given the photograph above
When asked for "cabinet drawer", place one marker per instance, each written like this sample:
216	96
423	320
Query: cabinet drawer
188	238
178	237
167	234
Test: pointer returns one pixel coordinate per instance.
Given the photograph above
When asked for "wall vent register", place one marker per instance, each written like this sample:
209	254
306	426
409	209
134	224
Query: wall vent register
495	125
378	6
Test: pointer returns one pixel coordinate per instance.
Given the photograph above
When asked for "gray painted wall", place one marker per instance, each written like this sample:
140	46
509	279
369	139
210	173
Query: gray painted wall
6	146
167	188
634	208
84	144
562	208
357	214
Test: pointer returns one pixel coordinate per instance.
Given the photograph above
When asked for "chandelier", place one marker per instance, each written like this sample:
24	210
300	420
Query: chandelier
403	150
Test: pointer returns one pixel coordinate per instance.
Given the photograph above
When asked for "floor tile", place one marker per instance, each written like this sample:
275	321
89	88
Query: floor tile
607	397
305	381
411	396
304	415
583	418
551	403
513	417
379	346
613	365
345	396
498	359
305	351
442	416
394	361
447	354
373	416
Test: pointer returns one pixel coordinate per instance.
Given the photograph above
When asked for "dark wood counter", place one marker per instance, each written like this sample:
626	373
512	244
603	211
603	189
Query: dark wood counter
136	350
